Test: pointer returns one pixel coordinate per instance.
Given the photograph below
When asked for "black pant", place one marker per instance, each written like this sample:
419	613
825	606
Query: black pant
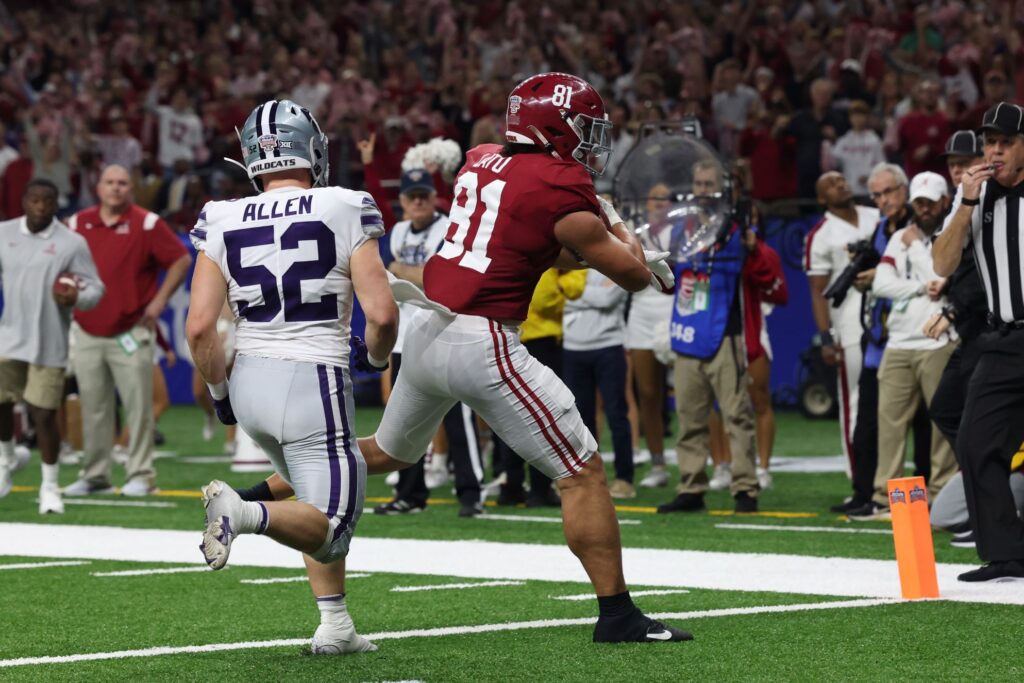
991	431
604	370
950	396
462	442
549	352
865	437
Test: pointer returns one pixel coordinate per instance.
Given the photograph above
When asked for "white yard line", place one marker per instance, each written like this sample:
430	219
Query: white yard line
823	529
431	632
42	565
532	518
632	594
205	459
294	579
454	586
150	572
489	560
119	503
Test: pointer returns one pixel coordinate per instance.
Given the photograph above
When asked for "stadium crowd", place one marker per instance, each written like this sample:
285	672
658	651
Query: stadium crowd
817	103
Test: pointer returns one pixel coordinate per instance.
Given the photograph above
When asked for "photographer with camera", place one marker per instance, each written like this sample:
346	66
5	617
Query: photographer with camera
826	257
912	362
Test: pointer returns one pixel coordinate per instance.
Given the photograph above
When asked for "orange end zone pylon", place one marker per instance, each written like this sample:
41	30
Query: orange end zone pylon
912	534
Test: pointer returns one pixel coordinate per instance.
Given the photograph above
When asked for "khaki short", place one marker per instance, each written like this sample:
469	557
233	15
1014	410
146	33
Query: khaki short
37	385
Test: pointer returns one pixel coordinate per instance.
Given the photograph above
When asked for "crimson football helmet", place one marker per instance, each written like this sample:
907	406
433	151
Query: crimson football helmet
563	114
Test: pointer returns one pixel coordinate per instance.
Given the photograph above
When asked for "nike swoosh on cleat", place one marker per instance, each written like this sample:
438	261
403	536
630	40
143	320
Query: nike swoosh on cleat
659	635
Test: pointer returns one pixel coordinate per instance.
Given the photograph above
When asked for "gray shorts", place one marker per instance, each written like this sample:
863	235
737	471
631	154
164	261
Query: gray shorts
302	415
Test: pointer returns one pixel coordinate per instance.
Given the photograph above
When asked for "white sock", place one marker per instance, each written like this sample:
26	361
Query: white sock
439	461
255	518
50	475
332	609
6	452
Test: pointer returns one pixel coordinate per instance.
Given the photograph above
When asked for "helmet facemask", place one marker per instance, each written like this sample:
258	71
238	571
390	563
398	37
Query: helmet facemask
595	140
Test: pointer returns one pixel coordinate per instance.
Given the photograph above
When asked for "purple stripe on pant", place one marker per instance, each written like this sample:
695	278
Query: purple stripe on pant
332	448
350	458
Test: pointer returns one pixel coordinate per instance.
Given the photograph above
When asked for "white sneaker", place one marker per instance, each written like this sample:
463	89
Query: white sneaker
493	487
119	454
642	456
208	428
222	505
722	478
137	487
656	478
392	479
82	487
339	640
22	455
229	448
69	456
50	501
435	476
5	480
764	478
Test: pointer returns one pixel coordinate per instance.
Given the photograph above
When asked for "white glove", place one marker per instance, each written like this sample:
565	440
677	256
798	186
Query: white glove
609	211
662	278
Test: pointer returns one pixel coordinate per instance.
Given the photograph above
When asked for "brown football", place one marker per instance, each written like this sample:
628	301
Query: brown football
65	283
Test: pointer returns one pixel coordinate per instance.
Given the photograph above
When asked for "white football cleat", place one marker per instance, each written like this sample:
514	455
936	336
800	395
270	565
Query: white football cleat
330	639
82	487
5	479
392	479
22	455
137	487
223	509
435	476
50	501
656	478
764	478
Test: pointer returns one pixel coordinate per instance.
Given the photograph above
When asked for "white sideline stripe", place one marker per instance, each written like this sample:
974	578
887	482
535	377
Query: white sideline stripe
455	586
205	459
295	579
490	560
632	594
535	518
149	572
119	503
823	529
431	632
42	565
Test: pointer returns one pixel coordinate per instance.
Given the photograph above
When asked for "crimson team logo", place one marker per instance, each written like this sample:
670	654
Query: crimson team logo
514	103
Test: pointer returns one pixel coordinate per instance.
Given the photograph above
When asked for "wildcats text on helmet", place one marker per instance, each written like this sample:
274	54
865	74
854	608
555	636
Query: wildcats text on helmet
272	165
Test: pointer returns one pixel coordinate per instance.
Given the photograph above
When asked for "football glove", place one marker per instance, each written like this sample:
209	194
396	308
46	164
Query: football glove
362	357
609	211
226	415
662	279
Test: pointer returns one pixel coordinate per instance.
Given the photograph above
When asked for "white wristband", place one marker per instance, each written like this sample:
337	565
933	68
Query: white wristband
376	363
219	390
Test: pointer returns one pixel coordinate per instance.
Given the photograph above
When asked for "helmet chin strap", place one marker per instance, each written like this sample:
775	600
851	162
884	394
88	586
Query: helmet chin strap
548	147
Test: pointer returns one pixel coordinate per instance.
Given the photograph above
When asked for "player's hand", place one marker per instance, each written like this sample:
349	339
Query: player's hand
362	357
225	413
831	355
934	289
911	235
936	326
973	177
152	313
365	148
608	209
662	278
67	297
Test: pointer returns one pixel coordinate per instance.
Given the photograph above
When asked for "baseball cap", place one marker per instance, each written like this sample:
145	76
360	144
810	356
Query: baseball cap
929	186
963	143
850	65
1005	118
394	122
416	179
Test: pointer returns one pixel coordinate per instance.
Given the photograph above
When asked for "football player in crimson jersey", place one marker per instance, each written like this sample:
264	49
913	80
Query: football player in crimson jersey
520	209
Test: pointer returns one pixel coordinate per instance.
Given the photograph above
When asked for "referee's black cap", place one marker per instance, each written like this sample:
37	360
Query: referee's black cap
1005	118
963	143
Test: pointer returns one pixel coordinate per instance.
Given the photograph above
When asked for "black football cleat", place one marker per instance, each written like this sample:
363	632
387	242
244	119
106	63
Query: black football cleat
636	628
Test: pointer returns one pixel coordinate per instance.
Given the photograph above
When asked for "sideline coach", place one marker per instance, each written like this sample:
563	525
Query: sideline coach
988	213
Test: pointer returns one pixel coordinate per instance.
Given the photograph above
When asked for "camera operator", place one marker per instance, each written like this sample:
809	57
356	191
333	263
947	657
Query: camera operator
987	214
912	362
839	328
888	185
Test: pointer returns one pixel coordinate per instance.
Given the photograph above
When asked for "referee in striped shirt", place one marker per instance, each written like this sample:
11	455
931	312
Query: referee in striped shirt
988	213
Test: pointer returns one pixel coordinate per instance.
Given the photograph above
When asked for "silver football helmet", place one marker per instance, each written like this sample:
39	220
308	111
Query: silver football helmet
281	135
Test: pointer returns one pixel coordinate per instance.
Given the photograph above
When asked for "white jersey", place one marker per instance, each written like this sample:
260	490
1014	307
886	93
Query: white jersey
285	256
413	248
827	253
181	134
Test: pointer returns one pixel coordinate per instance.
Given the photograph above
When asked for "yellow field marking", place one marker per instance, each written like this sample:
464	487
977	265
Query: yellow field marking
777	515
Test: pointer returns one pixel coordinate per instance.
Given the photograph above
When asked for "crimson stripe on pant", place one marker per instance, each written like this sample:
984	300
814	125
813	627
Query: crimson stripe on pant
502	347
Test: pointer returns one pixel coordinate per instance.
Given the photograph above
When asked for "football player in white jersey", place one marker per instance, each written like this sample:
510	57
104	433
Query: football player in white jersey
288	261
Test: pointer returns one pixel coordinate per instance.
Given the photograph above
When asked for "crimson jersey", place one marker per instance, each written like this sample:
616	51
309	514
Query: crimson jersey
501	231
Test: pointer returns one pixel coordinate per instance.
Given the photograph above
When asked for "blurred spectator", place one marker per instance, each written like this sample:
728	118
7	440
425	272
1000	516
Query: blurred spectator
119	147
7	153
994	89
769	150
52	156
730	105
180	130
856	152
13	183
810	127
114	341
923	131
